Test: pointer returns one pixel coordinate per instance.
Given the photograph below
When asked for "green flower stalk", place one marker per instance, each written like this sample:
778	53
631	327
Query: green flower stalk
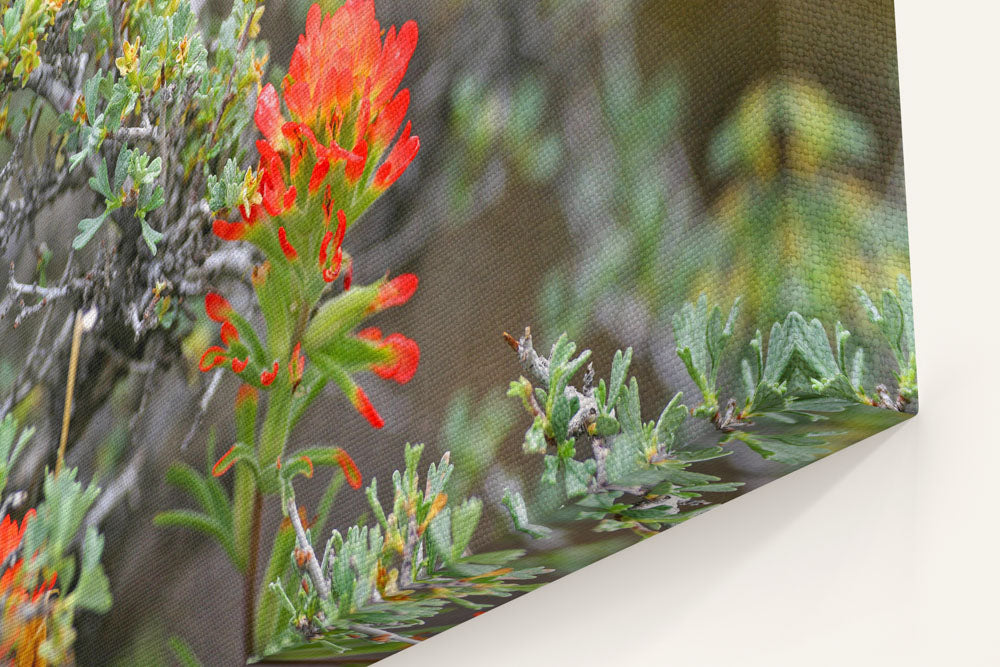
326	155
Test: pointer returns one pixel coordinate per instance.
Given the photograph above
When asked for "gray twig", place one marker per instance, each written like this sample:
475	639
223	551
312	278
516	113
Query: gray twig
45	81
213	386
406	568
538	366
321	583
312	565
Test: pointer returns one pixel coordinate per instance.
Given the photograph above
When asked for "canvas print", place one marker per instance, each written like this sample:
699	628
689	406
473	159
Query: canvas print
329	326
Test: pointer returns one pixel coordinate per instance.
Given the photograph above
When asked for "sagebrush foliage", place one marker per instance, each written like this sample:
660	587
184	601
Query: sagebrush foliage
639	476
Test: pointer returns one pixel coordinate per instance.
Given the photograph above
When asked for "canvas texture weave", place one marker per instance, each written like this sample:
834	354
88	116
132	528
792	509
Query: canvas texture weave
611	264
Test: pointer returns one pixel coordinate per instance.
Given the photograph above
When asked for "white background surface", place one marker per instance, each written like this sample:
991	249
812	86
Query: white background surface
886	553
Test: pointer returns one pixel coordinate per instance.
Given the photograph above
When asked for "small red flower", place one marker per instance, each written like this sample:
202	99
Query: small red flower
217	307
239	366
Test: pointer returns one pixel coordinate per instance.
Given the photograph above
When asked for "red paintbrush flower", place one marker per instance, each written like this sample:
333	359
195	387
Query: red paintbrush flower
326	153
343	103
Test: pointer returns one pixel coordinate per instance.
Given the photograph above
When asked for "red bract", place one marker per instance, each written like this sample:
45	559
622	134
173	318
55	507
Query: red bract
396	292
217	307
268	116
11	534
290	253
276	196
404	355
385	126
351	472
229	231
399	159
365	408
212	357
229	333
296	366
268	376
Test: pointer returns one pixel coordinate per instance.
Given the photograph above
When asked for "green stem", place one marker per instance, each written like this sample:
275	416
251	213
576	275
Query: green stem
274	434
273	438
244	490
250	578
270	615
